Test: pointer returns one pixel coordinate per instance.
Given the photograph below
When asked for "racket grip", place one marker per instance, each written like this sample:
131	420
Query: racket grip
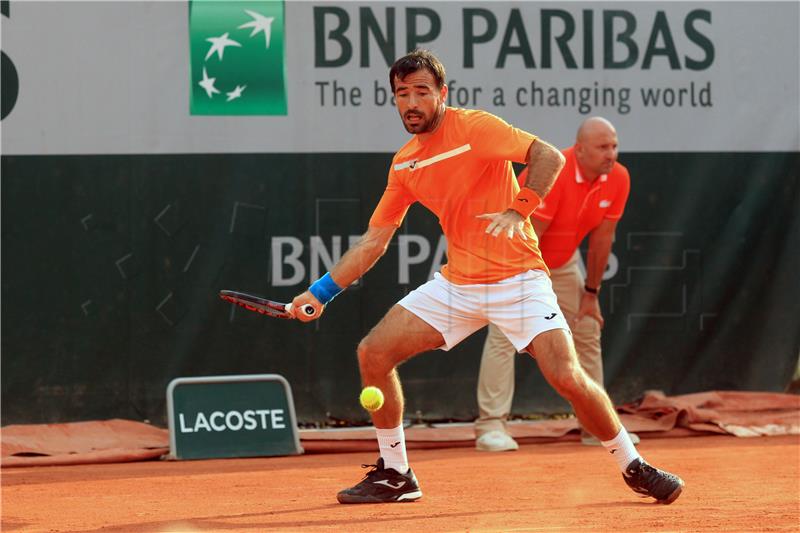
307	309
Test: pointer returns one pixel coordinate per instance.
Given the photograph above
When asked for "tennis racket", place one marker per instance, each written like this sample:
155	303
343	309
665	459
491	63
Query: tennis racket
263	306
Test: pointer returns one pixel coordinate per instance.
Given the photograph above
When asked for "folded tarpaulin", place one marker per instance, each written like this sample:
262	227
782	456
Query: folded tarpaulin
106	441
743	414
655	415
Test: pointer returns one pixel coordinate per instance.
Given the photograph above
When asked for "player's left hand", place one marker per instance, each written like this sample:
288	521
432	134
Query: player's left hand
508	223
589	307
303	299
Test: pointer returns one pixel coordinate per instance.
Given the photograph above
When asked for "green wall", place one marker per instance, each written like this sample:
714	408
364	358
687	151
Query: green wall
111	265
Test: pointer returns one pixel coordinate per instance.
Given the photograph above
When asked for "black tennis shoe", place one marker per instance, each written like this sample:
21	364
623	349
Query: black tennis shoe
382	485
650	481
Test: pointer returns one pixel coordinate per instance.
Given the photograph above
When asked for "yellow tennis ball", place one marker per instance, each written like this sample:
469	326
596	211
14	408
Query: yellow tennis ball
371	398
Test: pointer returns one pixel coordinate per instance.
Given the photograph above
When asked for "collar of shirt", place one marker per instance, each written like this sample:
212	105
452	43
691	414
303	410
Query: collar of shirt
579	176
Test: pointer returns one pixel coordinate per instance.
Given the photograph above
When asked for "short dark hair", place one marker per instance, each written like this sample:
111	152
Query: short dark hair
414	61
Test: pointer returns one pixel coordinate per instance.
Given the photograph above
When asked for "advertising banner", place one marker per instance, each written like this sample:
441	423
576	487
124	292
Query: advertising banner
672	76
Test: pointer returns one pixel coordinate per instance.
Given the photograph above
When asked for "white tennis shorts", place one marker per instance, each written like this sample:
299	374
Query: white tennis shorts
522	306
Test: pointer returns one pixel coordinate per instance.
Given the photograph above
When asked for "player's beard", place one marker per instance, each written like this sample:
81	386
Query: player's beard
425	124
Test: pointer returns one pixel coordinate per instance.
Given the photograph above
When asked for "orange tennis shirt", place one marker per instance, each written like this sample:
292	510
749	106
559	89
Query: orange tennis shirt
575	207
463	169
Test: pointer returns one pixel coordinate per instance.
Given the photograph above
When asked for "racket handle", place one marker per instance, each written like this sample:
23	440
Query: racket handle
307	309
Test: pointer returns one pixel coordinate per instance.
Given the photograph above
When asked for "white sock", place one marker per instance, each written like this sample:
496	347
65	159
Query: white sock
622	448
392	443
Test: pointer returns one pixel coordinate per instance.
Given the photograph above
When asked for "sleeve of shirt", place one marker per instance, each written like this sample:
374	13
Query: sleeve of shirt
621	198
494	138
549	207
393	205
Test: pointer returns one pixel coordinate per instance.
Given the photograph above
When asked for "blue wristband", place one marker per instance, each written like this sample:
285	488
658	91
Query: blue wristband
325	289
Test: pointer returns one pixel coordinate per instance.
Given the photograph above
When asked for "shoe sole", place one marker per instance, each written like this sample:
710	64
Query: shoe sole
408	497
672	497
487	449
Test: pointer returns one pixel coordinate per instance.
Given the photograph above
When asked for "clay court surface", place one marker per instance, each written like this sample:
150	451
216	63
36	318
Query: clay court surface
732	484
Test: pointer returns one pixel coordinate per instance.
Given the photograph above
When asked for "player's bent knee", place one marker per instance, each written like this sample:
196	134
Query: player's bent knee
371	359
365	351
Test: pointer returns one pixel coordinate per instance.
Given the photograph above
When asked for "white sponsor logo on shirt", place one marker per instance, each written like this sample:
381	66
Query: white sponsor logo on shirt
415	164
605	203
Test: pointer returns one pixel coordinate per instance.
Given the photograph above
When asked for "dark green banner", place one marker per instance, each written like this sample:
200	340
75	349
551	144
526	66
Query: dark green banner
237	416
111	267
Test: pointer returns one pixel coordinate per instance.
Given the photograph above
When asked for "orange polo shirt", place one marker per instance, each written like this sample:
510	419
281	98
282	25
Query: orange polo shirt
575	207
462	170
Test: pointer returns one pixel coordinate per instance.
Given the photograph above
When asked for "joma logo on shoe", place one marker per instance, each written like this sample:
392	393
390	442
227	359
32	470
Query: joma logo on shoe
389	483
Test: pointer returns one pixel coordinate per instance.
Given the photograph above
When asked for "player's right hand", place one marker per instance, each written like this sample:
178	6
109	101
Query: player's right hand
306	299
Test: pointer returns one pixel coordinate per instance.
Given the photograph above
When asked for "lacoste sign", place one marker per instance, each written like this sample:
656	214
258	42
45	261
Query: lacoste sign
247	420
231	416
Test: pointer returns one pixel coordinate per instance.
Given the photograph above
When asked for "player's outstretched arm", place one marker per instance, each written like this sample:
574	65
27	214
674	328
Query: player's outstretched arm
545	162
353	264
359	259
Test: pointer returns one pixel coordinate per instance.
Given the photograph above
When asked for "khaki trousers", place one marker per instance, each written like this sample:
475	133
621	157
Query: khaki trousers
496	377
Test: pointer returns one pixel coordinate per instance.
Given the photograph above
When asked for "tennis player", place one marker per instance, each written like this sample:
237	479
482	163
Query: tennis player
588	198
458	165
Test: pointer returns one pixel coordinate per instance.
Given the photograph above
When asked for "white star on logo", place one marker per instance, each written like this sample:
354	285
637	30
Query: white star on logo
208	84
236	93
218	45
259	23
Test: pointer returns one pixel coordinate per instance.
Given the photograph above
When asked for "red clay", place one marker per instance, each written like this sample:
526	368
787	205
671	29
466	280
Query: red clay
732	484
